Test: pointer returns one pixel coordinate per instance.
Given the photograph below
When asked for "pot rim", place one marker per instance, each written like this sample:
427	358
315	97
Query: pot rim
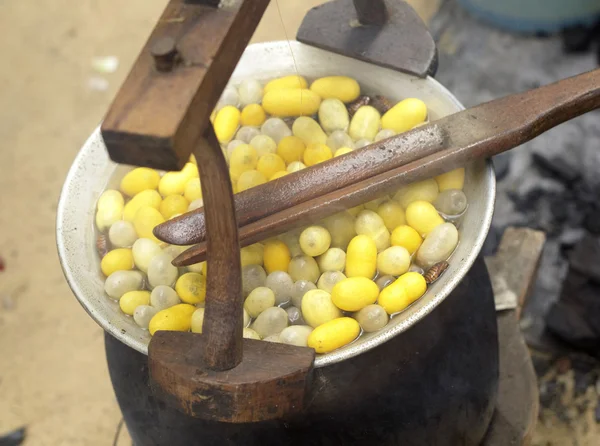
70	236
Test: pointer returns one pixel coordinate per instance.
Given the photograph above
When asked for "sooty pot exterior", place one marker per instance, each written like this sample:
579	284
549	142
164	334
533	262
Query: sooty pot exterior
434	384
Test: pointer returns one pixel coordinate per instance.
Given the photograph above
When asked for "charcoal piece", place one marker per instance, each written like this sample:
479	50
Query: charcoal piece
540	216
575	213
582	382
559	154
575	318
545	342
583	208
541	364
591	222
491	242
585	193
577	39
525	202
583	363
502	164
538	190
590	167
531	189
570	325
556	166
518	201
549	392
559	211
585	258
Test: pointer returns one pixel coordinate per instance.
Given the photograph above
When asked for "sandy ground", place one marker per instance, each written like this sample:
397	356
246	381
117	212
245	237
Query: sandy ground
53	376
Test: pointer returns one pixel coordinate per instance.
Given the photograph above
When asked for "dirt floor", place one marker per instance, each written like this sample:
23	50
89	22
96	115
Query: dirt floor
53	376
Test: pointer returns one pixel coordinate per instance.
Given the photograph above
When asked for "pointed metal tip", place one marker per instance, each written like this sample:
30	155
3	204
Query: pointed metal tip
187	229
164	233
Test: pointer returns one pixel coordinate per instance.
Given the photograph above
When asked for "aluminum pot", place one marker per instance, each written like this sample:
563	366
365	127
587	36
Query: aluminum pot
92	172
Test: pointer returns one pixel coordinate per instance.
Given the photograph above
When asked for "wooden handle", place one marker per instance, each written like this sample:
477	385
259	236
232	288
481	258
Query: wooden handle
205	375
480	132
223	319
163	107
161	114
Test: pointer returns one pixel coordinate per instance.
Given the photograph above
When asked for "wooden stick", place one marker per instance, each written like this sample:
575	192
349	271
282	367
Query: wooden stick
480	132
223	320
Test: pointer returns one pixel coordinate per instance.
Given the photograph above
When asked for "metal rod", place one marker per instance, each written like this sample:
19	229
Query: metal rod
371	12
479	132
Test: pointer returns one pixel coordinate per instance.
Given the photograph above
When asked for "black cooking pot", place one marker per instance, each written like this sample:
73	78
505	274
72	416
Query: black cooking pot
434	384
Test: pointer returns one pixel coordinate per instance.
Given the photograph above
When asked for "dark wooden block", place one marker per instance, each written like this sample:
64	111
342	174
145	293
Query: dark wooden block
270	383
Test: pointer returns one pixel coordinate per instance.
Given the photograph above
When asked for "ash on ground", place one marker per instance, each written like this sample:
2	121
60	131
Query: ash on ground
569	400
551	183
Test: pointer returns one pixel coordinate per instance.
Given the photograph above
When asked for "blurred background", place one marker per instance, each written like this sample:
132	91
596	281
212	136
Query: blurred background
63	61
